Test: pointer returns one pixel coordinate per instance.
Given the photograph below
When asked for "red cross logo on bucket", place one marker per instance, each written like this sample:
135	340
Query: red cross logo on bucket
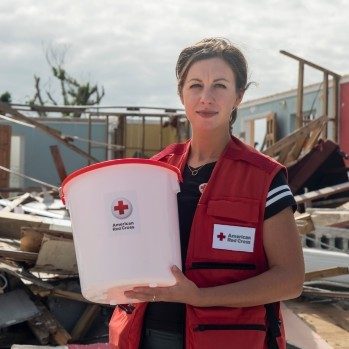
121	208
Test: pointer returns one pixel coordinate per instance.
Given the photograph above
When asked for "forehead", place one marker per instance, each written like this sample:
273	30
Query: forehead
211	68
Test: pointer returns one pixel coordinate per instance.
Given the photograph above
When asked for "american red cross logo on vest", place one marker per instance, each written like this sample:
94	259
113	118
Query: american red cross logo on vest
121	208
221	236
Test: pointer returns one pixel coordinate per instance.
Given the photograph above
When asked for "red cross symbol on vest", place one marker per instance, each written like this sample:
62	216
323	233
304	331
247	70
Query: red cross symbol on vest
221	236
121	208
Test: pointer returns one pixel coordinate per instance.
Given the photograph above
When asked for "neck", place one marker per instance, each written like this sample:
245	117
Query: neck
207	147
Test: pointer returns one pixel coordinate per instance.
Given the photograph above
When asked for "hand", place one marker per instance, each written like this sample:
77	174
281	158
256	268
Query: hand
184	291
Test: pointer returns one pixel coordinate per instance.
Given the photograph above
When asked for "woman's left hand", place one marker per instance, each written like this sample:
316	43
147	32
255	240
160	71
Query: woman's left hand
184	291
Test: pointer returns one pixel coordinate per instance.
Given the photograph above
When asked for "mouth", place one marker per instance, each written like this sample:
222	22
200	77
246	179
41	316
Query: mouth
206	113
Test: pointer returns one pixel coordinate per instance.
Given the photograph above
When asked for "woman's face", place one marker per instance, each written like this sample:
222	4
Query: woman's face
209	94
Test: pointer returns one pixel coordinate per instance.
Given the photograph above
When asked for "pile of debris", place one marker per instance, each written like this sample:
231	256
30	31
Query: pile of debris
40	298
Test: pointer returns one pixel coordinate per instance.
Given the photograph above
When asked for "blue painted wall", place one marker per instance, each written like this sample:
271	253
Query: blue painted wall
38	161
284	105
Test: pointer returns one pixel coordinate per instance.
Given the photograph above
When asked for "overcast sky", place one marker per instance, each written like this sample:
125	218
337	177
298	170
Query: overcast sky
131	47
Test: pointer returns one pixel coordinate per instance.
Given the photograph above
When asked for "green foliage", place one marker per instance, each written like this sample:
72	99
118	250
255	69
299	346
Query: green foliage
73	91
6	97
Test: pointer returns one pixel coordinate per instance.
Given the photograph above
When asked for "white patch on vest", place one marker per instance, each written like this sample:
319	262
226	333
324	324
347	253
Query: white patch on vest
233	238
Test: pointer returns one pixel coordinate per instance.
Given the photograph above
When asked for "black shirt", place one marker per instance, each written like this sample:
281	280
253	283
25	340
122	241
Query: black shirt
170	316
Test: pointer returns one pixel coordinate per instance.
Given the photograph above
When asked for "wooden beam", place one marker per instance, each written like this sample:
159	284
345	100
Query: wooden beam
304	224
58	335
56	255
313	65
57	159
16	202
320	193
328	319
336	108
19	256
31	238
54	292
320	274
48	130
85	321
299	115
325	102
312	291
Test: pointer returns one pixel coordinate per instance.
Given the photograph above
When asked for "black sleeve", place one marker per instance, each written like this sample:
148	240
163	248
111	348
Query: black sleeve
279	196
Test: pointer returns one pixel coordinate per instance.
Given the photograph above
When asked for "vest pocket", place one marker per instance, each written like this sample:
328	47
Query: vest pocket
208	274
218	265
228	336
227	327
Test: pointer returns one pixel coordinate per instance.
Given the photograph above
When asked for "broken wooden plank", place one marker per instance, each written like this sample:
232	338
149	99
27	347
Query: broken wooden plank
57	158
300	335
319	274
321	193
288	142
326	217
15	202
19	256
330	322
58	335
56	255
32	237
319	292
40	330
85	321
11	223
55	292
304	223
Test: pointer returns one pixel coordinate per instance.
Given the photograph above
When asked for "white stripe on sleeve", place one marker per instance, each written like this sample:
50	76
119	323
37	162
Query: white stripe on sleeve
277	197
277	189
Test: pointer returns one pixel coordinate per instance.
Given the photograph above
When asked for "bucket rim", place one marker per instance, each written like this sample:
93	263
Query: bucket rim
112	162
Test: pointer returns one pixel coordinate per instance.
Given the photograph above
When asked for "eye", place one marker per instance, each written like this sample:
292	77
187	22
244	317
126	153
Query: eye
195	86
220	86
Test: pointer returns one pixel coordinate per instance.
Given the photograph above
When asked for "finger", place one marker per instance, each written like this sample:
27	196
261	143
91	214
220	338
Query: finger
177	273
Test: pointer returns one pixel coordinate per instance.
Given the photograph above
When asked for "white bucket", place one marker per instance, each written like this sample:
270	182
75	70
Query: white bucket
125	226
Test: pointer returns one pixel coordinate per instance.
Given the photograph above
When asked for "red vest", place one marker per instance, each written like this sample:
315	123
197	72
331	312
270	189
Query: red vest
235	196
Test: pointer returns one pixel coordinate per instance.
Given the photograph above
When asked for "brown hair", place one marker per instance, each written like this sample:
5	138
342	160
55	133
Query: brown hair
213	48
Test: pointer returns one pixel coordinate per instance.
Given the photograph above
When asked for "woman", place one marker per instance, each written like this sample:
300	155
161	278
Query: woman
240	247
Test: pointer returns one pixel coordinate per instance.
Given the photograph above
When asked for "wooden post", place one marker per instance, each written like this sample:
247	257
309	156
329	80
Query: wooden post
119	137
89	138
299	117
336	108
143	135
106	136
161	132
325	102
326	72
58	162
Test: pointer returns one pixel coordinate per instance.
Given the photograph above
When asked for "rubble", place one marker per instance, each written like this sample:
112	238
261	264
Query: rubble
39	283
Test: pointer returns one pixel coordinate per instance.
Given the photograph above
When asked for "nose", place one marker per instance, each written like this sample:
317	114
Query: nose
206	96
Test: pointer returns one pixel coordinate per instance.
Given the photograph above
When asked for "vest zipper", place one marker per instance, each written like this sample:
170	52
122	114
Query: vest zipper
227	327
215	265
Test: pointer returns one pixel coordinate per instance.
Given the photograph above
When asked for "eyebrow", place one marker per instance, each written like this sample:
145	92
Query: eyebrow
215	80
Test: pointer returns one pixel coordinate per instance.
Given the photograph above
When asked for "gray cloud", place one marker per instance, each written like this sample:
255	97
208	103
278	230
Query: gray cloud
130	47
